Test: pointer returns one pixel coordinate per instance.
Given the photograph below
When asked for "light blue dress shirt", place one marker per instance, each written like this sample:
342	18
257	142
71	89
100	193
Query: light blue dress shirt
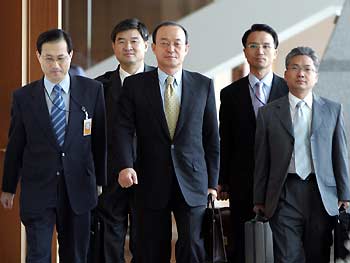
267	81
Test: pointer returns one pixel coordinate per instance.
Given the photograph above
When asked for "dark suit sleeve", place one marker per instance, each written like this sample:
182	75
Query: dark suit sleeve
225	115
14	151
99	138
211	138
340	159
124	129
262	159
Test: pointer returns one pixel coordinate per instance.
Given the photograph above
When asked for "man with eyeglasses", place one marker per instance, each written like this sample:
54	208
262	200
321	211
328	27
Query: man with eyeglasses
116	204
173	113
301	167
57	149
240	102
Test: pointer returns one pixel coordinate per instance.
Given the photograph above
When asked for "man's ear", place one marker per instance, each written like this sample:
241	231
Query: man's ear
37	55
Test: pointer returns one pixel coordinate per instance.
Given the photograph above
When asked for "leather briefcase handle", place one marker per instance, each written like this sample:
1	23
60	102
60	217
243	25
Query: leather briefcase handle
210	201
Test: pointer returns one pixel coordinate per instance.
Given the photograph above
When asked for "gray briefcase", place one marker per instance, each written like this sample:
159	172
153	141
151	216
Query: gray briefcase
258	241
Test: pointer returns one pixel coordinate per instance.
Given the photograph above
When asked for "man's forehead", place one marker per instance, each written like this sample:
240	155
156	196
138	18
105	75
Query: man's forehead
55	47
302	59
171	29
130	32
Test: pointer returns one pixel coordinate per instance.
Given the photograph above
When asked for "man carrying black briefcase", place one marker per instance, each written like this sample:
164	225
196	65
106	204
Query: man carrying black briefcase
95	254
341	234
215	240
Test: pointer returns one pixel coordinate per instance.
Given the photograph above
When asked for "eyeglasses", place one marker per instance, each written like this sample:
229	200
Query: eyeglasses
59	60
166	44
305	69
257	46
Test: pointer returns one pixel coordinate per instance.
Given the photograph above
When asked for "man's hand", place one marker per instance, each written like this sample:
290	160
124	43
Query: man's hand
344	203
7	200
213	193
127	177
222	195
258	209
99	190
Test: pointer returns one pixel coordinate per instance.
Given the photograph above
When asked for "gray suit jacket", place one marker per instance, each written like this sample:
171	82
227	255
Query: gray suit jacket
274	147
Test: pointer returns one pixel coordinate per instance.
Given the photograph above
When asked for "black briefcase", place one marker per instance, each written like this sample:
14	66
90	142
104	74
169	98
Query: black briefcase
341	234
95	253
213	233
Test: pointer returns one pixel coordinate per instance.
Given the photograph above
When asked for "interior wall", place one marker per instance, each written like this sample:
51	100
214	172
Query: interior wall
10	78
316	37
18	46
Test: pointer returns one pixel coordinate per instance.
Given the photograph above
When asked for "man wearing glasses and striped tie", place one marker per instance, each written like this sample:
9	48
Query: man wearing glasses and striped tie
57	148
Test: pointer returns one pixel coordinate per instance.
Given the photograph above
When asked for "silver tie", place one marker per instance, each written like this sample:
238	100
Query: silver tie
302	145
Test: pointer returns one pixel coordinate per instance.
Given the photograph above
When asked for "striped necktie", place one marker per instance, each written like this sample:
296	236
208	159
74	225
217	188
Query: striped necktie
58	115
259	96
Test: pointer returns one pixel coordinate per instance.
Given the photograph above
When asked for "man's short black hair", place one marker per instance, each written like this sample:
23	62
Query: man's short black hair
128	24
260	27
54	35
168	23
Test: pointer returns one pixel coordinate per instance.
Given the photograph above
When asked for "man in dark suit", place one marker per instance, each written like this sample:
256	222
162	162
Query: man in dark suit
173	114
301	165
57	148
129	43
239	104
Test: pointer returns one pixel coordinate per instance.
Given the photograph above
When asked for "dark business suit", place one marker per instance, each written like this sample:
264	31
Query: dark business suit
285	196
115	203
56	181
237	133
172	174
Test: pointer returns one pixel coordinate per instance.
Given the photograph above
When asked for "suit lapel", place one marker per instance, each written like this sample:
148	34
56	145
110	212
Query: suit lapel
284	115
155	99
318	113
246	99
186	104
39	105
116	85
116	82
76	114
277	89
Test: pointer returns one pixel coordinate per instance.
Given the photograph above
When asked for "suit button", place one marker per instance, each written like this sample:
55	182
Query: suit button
57	173
62	154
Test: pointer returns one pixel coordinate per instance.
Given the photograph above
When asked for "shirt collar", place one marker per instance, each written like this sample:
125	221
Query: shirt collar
267	80
123	74
64	84
163	76
293	100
